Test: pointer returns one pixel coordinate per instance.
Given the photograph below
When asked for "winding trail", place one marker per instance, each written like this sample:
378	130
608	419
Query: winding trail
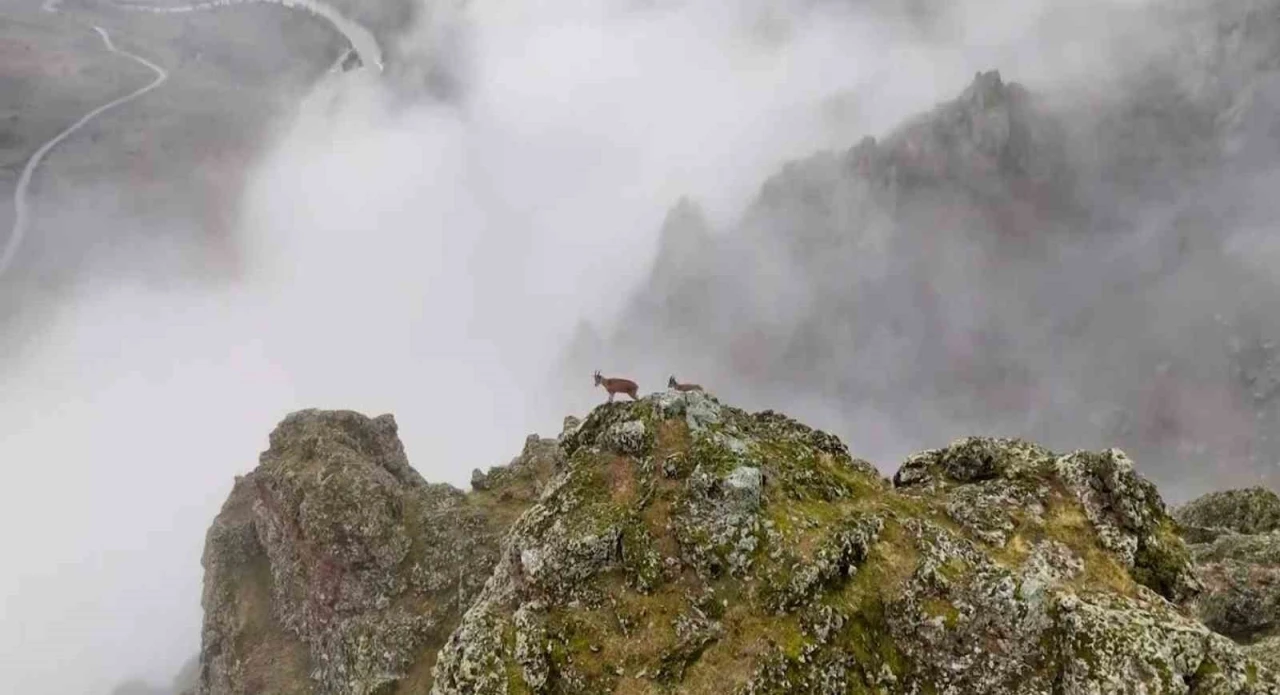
361	40
20	193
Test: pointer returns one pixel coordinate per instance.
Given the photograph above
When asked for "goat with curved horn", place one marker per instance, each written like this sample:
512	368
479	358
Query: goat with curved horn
615	385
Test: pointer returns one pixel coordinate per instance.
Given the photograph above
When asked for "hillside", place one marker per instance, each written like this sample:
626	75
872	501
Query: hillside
156	187
678	544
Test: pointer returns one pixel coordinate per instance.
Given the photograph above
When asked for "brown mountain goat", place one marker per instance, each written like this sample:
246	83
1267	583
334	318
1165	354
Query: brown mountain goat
672	383
615	386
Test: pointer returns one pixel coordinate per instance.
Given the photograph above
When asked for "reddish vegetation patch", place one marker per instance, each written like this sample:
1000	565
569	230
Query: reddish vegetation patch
622	480
672	437
21	58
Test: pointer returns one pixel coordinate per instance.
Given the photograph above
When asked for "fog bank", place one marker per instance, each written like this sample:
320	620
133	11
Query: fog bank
432	259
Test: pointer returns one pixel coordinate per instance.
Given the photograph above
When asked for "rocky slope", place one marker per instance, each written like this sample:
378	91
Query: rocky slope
677	544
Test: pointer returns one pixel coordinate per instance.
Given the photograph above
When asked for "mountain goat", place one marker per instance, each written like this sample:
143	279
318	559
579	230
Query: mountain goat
615	386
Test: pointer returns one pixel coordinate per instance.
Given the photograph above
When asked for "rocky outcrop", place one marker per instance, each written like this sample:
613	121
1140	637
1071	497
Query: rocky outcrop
1242	576
1235	539
1247	511
335	568
991	159
677	544
987	482
993	135
692	547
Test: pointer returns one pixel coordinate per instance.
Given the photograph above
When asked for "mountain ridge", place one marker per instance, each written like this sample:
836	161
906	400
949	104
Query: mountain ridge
971	269
677	544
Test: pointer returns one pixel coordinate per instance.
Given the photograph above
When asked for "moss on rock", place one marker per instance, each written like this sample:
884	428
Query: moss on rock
335	568
676	544
1250	510
1236	548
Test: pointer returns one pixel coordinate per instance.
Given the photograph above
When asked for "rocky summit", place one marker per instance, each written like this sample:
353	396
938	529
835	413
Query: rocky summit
335	568
676	544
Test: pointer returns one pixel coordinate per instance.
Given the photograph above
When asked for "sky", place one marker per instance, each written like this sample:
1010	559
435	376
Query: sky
430	259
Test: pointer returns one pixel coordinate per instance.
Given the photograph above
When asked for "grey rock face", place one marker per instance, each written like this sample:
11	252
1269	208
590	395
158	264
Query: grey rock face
333	567
744	486
988	481
1236	546
1251	510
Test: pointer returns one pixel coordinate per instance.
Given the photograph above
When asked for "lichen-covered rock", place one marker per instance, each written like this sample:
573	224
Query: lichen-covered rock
1251	510
991	484
659	528
676	544
1242	579
523	478
1265	652
335	568
1236	547
726	552
1117	644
